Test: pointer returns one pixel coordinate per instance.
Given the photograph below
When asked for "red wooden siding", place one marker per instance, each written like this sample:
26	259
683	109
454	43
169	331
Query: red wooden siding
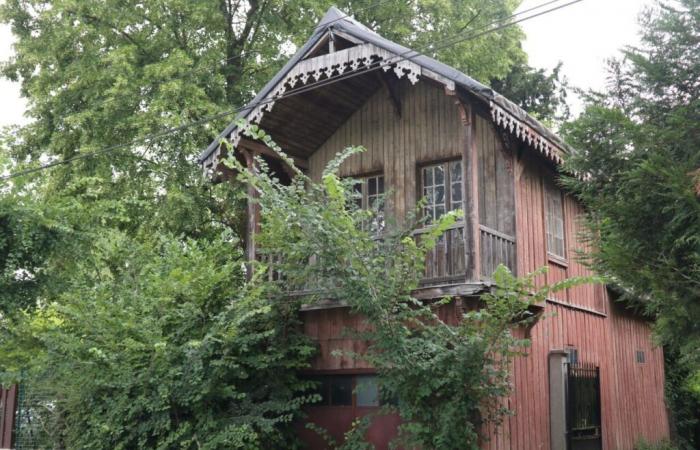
8	403
327	327
582	317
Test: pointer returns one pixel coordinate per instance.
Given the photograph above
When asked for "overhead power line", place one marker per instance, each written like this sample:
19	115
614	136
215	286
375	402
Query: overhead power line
244	54
407	55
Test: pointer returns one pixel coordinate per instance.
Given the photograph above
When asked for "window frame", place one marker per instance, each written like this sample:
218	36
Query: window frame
549	188
448	204
325	381
640	356
363	181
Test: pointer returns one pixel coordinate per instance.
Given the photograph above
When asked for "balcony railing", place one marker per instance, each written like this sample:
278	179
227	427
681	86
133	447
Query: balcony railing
496	248
445	262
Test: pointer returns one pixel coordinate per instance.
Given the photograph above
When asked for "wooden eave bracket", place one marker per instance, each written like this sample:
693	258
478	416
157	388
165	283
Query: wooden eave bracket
391	85
262	149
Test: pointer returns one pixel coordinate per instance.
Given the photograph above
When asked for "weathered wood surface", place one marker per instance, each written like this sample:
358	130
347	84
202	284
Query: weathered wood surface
583	317
531	242
631	393
495	172
428	130
432	128
8	404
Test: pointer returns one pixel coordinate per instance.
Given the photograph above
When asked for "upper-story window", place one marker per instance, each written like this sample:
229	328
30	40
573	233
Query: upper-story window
554	211
442	188
369	195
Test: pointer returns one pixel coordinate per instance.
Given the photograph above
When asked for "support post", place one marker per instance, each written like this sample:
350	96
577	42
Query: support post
8	407
252	214
557	399
470	193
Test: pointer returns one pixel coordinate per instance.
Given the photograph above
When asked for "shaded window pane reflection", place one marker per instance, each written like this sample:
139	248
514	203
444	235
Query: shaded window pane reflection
367	392
341	391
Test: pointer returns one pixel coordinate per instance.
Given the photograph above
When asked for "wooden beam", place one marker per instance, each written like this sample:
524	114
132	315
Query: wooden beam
390	83
450	290
8	398
262	149
331	42
252	214
470	193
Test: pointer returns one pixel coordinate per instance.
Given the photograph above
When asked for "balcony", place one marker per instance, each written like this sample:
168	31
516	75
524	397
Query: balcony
446	262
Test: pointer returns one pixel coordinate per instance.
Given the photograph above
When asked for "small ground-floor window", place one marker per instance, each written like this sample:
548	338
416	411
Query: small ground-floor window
347	390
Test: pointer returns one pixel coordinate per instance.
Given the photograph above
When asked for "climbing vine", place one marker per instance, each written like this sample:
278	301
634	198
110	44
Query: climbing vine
443	366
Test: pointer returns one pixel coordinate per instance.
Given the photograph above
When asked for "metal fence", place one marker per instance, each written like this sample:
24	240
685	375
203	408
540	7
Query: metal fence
583	406
35	419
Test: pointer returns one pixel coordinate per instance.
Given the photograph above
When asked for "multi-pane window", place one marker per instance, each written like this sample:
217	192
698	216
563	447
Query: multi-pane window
442	188
369	195
334	390
641	358
347	390
554	221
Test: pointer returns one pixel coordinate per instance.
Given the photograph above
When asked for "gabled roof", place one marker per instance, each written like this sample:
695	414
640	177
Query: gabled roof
505	113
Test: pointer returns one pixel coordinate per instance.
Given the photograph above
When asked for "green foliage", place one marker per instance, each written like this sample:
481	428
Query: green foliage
639	151
663	445
540	94
104	73
446	377
161	344
123	292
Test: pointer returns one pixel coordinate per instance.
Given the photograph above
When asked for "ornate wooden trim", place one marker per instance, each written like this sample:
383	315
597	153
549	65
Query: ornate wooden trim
525	133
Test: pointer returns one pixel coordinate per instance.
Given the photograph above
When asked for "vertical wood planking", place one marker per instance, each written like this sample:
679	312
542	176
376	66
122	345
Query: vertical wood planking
429	130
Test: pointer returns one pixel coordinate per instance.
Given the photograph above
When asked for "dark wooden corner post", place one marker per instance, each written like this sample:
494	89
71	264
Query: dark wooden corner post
470	192
252	213
8	407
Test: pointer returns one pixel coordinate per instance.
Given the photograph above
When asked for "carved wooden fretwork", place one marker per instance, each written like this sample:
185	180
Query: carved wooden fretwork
322	67
330	65
525	133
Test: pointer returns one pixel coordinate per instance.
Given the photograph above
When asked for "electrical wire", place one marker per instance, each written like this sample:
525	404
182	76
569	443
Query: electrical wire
407	55
224	61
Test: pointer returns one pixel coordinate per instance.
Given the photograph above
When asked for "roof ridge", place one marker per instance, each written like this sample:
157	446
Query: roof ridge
335	18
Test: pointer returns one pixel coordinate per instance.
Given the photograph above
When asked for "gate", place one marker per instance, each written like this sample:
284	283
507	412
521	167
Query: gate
583	424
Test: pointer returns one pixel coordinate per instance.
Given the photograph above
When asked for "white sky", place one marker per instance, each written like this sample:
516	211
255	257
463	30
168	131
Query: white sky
582	36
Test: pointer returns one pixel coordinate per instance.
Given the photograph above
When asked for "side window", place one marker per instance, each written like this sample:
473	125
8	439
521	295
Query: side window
369	193
366	390
554	224
334	390
348	390
640	357
442	188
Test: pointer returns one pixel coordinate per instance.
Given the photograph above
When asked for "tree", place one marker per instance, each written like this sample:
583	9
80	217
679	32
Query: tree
639	156
128	234
99	74
159	343
446	379
540	94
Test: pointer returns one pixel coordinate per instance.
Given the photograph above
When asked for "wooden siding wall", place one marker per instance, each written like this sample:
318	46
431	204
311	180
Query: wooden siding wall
583	317
531	239
429	129
632	395
8	404
328	328
495	165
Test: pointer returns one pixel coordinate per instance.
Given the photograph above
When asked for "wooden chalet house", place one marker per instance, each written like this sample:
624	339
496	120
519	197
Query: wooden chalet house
592	379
